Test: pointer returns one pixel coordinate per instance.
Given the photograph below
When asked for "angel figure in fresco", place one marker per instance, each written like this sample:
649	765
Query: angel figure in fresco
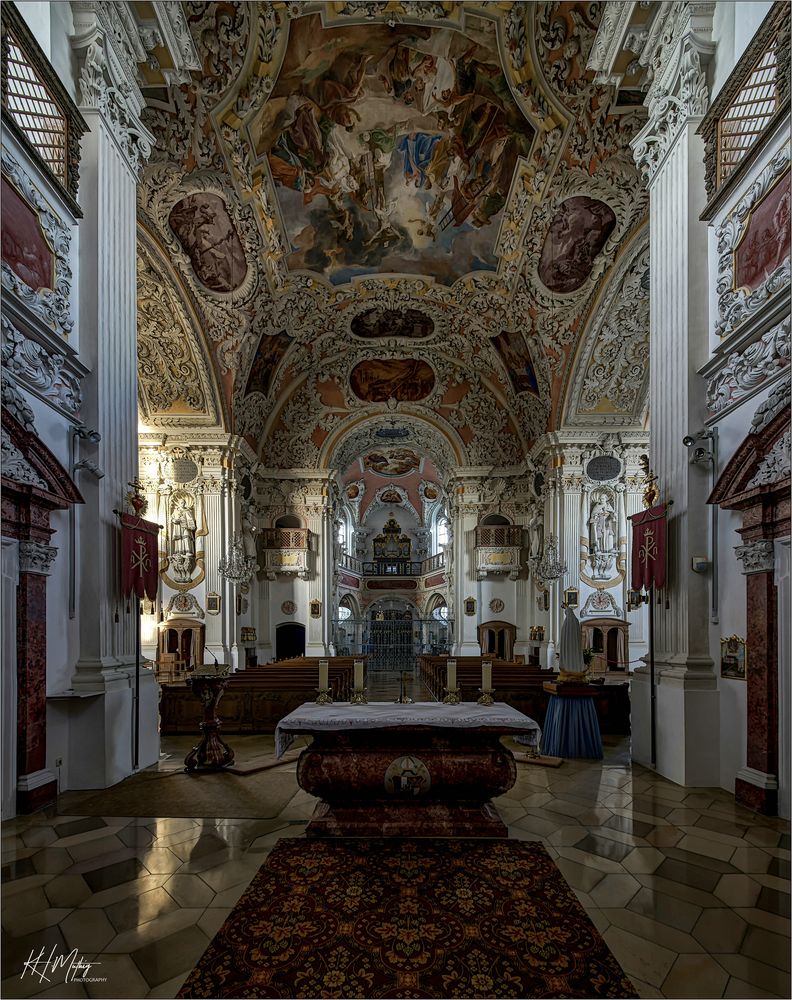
417	150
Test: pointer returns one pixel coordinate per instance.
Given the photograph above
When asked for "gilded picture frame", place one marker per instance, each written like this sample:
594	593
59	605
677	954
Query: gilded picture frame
733	657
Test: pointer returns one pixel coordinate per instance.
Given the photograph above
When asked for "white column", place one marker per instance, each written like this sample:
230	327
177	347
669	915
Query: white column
112	152
465	583
313	588
671	156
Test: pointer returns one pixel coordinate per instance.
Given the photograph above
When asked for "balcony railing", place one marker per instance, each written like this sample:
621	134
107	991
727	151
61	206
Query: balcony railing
392	567
755	95
351	563
286	538
434	563
36	105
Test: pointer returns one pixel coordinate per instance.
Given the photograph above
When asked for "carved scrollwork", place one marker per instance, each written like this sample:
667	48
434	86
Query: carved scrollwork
49	305
736	305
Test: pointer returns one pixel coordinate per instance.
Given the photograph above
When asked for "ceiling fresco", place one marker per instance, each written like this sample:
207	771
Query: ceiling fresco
392	148
343	183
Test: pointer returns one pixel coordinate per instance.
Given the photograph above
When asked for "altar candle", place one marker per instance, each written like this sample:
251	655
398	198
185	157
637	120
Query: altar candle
486	676
358	675
451	675
324	675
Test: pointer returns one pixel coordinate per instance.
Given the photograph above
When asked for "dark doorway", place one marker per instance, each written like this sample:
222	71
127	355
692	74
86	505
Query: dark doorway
613	650
289	641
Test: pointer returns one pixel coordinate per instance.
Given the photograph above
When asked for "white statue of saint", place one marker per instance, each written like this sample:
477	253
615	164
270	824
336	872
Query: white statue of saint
602	527
182	529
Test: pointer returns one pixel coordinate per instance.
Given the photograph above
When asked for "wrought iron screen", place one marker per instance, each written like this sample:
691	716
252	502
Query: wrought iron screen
392	642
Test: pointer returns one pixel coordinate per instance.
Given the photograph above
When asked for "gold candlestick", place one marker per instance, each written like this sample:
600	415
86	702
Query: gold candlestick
486	697
404	698
452	696
359	697
324	697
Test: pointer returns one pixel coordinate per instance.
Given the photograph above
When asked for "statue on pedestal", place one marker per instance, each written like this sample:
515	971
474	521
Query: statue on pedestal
183	527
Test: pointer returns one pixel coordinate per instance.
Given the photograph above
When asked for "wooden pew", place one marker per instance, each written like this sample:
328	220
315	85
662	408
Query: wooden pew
256	699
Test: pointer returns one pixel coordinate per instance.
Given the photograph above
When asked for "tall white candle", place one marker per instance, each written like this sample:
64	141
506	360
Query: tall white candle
324	675
358	675
451	675
486	675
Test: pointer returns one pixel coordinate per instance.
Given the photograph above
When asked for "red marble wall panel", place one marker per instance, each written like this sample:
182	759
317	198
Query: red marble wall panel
24	247
766	243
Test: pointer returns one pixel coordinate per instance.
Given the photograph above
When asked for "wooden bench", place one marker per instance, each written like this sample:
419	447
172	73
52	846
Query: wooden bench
256	699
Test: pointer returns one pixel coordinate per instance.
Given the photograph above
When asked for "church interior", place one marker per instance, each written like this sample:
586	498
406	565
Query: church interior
396	498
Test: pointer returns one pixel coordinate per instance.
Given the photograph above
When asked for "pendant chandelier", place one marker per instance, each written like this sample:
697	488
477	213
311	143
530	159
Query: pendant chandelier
237	567
550	566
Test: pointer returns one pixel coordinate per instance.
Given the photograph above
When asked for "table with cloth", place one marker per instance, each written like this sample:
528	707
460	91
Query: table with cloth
571	727
419	770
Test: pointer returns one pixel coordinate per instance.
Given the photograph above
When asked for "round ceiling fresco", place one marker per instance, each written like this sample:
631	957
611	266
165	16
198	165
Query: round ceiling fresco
204	228
577	233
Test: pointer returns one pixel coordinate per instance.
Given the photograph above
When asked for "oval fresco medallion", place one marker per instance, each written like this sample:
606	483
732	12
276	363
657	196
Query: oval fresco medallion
391	462
577	233
376	323
206	233
381	379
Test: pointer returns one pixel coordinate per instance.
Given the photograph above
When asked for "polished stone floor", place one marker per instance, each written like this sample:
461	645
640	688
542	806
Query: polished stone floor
690	891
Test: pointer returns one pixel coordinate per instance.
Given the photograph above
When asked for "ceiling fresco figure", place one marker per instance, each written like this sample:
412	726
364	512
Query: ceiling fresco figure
392	149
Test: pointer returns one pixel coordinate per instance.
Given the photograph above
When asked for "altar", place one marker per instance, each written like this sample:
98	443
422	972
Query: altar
391	770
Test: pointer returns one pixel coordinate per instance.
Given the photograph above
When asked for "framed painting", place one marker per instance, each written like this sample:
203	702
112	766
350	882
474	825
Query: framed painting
213	604
733	658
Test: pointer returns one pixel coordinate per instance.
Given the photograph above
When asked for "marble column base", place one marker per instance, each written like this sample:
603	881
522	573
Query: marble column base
36	790
757	791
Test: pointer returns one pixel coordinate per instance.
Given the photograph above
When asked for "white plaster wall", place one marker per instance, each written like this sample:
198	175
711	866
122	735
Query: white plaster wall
52	25
733	27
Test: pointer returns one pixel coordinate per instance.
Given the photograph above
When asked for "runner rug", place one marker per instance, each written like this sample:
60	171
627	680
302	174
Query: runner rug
408	918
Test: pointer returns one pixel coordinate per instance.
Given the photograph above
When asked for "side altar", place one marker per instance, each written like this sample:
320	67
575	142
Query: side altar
420	770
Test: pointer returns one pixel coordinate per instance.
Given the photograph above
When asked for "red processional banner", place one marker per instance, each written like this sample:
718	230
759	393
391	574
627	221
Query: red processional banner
649	547
139	556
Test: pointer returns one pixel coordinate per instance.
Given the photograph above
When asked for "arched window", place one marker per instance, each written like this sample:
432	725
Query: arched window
440	614
344	613
342	534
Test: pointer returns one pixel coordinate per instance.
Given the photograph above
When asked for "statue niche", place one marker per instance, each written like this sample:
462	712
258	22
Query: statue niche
182	537
602	531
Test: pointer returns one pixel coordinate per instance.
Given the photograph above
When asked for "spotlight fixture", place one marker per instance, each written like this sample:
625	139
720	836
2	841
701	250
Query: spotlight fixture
86	433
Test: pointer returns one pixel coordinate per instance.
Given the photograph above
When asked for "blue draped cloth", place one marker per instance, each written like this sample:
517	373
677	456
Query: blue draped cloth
571	728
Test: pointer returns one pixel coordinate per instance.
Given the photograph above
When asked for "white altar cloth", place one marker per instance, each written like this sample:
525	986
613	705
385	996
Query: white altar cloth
310	717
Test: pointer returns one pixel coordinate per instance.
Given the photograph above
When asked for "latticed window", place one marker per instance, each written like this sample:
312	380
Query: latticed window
748	115
36	105
750	103
31	106
499	534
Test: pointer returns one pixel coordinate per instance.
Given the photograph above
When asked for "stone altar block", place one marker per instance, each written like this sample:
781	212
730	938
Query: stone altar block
422	770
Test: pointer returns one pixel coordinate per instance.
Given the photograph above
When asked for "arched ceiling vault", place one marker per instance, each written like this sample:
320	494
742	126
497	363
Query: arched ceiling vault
419	212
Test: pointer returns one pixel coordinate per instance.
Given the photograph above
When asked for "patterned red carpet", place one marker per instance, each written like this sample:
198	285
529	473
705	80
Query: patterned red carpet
408	918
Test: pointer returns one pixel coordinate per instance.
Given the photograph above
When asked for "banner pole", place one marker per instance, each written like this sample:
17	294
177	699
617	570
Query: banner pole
652	694
136	753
